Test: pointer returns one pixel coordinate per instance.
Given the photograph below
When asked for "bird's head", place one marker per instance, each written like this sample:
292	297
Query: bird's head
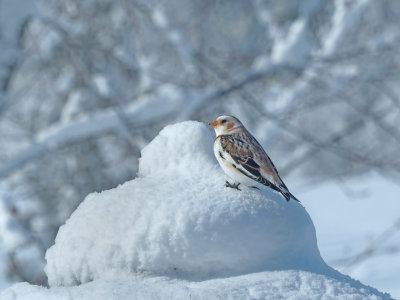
225	124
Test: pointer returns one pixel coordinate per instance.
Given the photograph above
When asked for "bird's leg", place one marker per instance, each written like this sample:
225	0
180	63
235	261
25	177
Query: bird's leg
232	185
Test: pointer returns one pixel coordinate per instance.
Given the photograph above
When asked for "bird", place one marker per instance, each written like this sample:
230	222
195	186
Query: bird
243	159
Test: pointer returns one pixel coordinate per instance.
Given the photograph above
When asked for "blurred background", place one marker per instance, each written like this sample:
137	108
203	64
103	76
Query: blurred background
85	85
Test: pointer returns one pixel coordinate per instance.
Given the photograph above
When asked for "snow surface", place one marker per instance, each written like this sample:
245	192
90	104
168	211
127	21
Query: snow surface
264	285
178	219
177	232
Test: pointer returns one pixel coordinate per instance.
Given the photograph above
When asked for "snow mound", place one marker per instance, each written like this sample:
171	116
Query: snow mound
176	232
265	285
178	219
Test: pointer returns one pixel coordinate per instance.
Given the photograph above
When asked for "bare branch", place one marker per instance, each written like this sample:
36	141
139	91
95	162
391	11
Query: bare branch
63	135
374	247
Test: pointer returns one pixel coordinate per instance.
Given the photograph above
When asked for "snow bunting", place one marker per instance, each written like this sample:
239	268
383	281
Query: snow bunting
243	159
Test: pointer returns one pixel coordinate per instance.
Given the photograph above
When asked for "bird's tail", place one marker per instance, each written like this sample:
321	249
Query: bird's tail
294	198
288	195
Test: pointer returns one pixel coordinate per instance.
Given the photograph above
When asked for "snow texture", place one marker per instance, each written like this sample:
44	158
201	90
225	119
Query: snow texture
178	219
290	284
177	232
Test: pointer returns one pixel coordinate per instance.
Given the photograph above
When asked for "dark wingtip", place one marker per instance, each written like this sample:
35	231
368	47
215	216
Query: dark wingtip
294	198
286	196
289	196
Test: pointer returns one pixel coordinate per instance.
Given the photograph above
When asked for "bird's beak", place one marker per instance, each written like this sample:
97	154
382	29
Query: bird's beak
213	123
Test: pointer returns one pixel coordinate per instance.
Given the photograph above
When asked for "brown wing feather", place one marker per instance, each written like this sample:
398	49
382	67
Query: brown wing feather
246	151
253	160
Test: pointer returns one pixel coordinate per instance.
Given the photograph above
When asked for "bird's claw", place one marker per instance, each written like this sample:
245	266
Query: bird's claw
232	185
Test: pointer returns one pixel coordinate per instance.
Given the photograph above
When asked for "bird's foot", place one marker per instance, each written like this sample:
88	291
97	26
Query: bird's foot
232	185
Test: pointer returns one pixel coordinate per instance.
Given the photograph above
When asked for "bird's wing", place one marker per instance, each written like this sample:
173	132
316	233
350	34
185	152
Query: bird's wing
244	152
250	159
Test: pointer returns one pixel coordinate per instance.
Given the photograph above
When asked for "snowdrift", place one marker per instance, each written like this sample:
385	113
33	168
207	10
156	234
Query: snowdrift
178	219
290	284
176	231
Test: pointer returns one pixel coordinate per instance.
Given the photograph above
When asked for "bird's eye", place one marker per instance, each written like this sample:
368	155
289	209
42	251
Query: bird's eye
223	121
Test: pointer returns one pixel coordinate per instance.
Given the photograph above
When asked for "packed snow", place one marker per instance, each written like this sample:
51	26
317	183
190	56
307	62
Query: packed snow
178	219
176	231
289	284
